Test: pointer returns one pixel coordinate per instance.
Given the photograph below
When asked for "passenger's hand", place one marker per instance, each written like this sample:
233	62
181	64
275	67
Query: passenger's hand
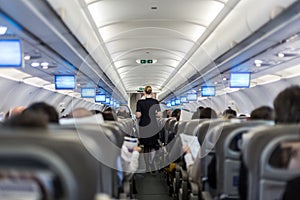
186	149
138	149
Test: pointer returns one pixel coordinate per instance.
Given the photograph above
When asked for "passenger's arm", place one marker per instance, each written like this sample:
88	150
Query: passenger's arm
138	115
159	114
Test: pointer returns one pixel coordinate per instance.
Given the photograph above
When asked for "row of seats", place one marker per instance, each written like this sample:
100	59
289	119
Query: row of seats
222	146
74	161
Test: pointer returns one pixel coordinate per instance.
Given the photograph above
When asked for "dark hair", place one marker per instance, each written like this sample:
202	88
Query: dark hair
229	111
110	115
287	105
148	89
176	113
45	109
27	119
263	112
208	113
200	108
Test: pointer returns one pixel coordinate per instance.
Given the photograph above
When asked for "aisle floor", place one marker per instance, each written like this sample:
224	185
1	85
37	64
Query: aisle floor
151	186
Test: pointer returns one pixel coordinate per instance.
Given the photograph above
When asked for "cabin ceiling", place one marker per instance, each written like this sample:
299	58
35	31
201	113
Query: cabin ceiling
165	32
106	40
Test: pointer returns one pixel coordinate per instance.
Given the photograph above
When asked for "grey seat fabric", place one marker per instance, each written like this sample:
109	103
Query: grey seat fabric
181	126
227	159
98	140
265	181
36	150
202	129
190	128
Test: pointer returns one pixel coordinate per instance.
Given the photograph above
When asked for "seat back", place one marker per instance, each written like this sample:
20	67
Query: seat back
202	129
60	160
264	180
227	156
191	126
98	140
181	126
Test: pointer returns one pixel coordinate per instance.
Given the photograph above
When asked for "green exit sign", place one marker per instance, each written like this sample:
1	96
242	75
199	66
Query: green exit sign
141	88
146	62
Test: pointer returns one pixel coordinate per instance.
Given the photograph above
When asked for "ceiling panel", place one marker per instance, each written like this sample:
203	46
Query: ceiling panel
164	31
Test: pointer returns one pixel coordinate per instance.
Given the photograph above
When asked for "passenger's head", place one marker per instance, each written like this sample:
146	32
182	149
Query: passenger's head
263	112
287	105
148	90
27	120
229	113
208	113
80	112
95	112
17	110
122	113
109	115
176	113
200	108
44	109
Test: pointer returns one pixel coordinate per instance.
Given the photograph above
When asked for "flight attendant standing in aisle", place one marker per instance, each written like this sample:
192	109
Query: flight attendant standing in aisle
147	110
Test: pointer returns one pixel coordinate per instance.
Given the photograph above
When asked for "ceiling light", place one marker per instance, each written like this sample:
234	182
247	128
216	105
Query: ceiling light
258	65
45	65
216	82
280	55
258	62
35	64
3	30
27	57
224	79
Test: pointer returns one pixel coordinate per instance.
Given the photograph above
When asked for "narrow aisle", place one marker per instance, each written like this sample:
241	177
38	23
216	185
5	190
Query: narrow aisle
151	186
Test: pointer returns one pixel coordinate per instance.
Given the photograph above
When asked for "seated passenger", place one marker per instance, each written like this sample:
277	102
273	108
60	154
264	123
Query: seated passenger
44	109
109	115
193	164
229	113
176	113
130	154
14	111
196	114
263	113
79	113
27	120
122	113
286	111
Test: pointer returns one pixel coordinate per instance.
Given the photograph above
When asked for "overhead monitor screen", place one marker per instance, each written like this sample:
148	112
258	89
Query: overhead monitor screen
100	98
177	102
240	80
88	92
192	97
173	103
184	100
107	100
11	53
208	91
65	82
169	104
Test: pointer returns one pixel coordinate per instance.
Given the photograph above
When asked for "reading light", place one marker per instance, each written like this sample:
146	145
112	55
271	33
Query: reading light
27	57
35	64
45	65
280	55
258	62
224	79
3	30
